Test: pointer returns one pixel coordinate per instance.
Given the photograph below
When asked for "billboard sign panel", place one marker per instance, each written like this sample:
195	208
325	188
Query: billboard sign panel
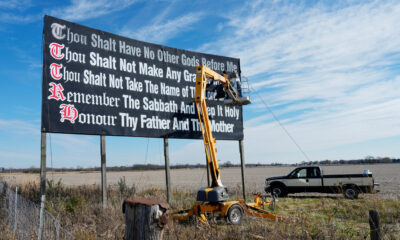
100	83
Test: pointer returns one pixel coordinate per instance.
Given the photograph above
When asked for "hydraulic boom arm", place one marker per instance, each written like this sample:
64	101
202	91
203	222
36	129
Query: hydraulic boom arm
202	74
214	198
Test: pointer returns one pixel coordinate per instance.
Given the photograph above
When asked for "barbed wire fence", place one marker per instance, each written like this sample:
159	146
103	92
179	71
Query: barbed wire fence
29	220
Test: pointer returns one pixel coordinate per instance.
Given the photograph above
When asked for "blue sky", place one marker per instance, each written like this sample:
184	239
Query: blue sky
329	70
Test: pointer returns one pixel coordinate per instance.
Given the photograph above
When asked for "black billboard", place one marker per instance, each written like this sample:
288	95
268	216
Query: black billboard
100	83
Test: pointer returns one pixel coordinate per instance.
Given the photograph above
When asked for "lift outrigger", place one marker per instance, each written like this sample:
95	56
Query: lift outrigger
214	199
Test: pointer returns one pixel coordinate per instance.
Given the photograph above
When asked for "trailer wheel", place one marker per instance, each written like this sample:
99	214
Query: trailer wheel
235	214
350	192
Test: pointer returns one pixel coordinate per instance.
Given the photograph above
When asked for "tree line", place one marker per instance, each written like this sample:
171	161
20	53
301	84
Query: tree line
227	164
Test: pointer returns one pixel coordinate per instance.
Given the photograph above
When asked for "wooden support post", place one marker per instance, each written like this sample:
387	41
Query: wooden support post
375	225
145	218
103	170
167	174
241	149
43	164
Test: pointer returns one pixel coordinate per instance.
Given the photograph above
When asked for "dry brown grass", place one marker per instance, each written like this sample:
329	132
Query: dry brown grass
79	210
5	231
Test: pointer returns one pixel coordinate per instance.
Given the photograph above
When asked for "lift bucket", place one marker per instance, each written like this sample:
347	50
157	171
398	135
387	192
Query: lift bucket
239	102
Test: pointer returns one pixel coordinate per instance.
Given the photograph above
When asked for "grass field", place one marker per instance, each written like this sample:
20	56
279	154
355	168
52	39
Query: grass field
388	175
332	217
79	209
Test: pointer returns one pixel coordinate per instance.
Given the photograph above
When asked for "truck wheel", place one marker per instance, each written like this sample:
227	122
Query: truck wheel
235	214
350	192
278	191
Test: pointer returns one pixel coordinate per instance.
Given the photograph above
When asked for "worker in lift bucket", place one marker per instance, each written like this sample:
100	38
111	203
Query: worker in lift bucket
236	83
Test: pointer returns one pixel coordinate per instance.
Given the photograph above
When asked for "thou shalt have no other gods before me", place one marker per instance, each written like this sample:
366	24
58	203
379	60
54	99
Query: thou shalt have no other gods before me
100	83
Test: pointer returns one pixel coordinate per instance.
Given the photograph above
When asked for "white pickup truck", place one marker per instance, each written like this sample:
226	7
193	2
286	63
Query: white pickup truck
312	179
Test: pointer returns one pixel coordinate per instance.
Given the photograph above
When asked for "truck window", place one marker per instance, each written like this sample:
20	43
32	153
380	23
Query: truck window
299	173
313	173
302	173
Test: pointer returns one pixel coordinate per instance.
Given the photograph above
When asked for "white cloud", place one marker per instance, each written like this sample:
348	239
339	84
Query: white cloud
17	18
19	126
14	12
330	73
88	9
265	141
160	30
15	4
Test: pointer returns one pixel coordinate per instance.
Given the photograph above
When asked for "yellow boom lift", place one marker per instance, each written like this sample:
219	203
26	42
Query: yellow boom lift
214	199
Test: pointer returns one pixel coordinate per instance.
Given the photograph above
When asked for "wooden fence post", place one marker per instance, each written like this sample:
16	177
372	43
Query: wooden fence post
145	218
374	225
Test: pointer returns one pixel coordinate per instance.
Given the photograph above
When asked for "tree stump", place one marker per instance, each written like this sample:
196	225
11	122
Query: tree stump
145	218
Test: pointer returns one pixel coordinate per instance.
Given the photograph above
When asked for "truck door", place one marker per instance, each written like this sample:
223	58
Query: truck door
297	180
314	180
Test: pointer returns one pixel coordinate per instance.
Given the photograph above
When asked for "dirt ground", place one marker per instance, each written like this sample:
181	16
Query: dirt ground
385	174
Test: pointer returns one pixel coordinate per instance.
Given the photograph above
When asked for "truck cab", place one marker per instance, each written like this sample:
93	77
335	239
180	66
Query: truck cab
305	179
312	179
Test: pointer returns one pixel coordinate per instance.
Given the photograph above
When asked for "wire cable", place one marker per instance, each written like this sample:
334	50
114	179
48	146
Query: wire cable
145	162
280	124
